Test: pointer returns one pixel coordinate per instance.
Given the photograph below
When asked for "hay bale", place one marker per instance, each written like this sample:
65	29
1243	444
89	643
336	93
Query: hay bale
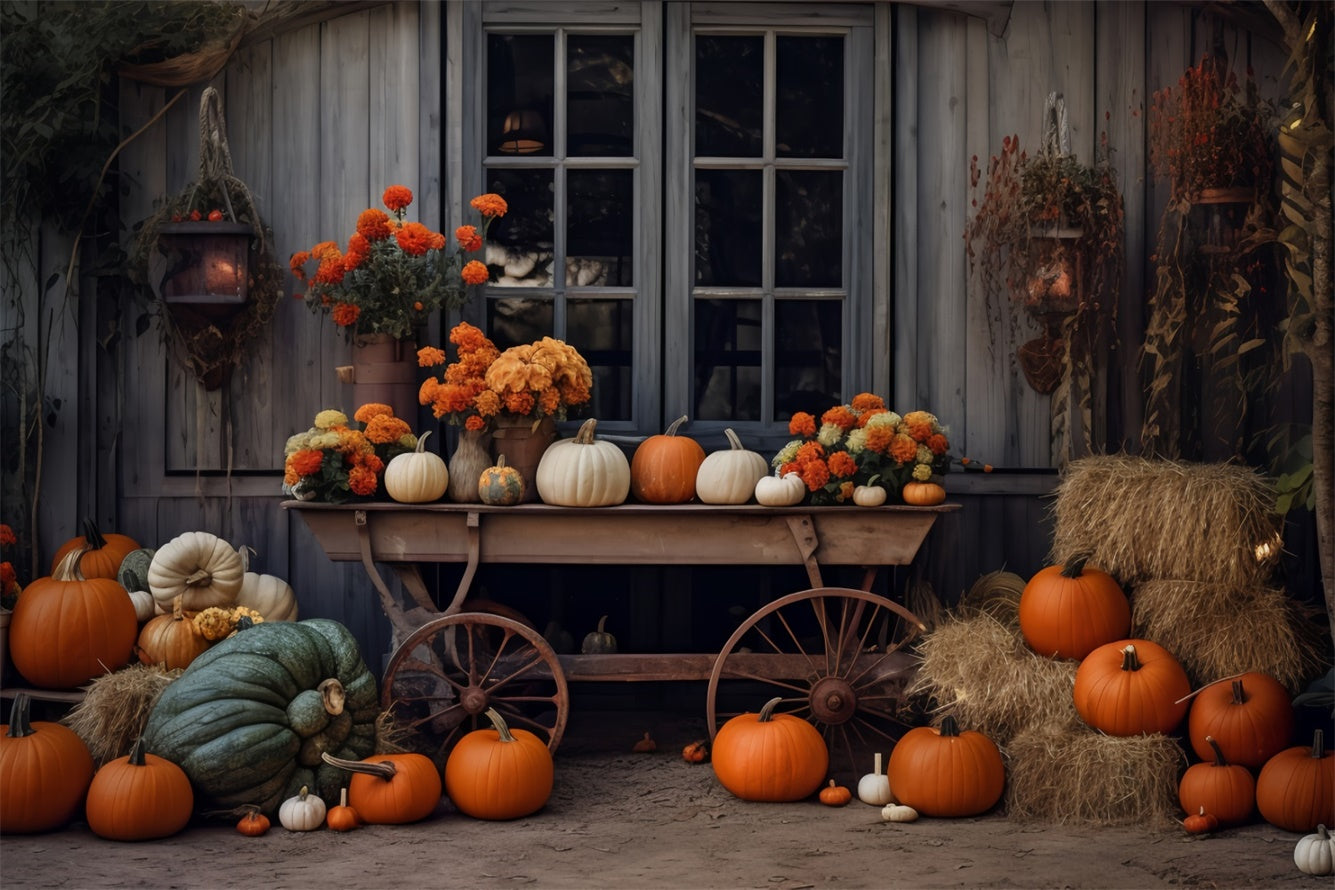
115	709
996	594
1217	631
1142	519
1073	775
982	672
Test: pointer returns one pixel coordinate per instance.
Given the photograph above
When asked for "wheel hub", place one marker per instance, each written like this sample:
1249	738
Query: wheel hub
833	700
474	700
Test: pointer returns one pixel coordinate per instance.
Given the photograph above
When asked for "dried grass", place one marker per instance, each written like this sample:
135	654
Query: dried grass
1073	775
982	672
1217	631
1142	519
996	594
390	736
115	709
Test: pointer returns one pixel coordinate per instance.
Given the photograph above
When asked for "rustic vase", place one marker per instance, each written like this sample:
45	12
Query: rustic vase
470	458
523	440
383	370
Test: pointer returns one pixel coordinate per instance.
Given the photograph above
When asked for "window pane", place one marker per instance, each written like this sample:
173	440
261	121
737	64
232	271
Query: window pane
809	117
729	96
727	227
809	228
727	359
519	94
599	232
602	332
807	373
599	103
517	320
519	244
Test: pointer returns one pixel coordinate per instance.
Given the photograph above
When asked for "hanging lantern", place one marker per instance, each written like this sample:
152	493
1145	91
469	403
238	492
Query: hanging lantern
204	267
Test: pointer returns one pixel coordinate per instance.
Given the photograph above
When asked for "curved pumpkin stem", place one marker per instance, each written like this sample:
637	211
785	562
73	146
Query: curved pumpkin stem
585	434
331	691
767	712
91	535
1129	660
498	722
19	722
68	569
384	769
1076	567
949	727
1218	754
734	441
675	425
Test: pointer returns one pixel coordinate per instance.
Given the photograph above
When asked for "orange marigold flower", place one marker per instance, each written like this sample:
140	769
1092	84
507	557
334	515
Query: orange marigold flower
879	438
802	424
475	422
810	452
358	251
345	314
937	443
467	337
865	401
306	462
430	356
385	428
397	197
414	238
840	416
549	401
7	536
488	403
474	272
842	464
298	263
845	491
362	480
373	225
920	425
331	269
468	237
903	449
815	474
518	402
8	577
490	205
371	410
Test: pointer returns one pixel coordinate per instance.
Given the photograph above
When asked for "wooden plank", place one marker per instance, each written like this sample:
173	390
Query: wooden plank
64	475
688	666
906	249
882	307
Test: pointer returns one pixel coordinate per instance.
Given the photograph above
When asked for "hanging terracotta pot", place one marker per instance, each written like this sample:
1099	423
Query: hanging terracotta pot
522	440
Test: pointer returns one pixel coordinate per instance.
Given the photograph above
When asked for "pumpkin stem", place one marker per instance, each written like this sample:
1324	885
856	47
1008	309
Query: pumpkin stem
384	769
198	578
733	441
1239	695
68	569
675	425
343	792
19	723
498	722
1318	745
767	712
178	613
1218	754
137	753
585	434
91	536
949	728
332	692
601	621
1076	567
876	761
1129	660
421	440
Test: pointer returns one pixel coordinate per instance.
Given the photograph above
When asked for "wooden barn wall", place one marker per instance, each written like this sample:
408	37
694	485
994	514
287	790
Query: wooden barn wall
323	117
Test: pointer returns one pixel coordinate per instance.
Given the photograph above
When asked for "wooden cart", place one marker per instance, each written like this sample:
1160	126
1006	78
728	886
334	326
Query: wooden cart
833	653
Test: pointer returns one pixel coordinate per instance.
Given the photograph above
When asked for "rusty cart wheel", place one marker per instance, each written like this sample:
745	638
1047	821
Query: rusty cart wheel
442	679
835	656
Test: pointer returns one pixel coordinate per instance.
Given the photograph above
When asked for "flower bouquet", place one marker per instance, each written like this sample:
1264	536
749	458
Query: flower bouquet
862	443
9	581
334	462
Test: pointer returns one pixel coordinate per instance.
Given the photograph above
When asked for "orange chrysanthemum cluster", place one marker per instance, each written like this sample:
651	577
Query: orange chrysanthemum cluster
9	580
333	462
394	273
545	378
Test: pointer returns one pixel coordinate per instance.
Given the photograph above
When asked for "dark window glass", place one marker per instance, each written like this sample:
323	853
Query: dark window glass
729	96
727	227
599	234
517	320
808	229
519	94
806	357
809	112
602	331
519	244
600	99
727	359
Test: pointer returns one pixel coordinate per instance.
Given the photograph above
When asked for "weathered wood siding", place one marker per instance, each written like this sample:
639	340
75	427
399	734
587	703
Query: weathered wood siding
323	117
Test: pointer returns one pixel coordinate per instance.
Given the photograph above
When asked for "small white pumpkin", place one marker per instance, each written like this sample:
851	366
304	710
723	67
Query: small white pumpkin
898	812
1314	854
874	787
269	595
305	812
730	476
200	567
780	491
417	477
583	471
145	607
869	495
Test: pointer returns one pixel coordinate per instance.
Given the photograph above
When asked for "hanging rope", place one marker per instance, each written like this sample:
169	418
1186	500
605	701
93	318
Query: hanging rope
1056	129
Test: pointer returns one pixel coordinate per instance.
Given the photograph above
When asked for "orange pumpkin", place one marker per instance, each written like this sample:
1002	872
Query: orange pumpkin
1069	611
499	773
696	751
1130	687
1251	719
1200	822
769	756
171	640
946	772
66	630
1296	788
390	789
834	795
253	823
139	797
1225	790
664	467
342	817
922	494
45	769
103	555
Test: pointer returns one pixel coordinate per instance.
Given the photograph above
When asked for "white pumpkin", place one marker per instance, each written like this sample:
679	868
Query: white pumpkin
898	812
305	812
1314	854
583	471
729	476
874	787
780	491
869	495
269	595
200	567
417	477
145	607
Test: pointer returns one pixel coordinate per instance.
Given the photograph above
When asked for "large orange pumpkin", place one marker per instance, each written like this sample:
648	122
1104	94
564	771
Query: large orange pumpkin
139	797
1130	687
172	641
391	789
664	467
1296	788
499	773
45	769
1069	611
769	756
1251	719
1225	790
945	772
103	555
66	629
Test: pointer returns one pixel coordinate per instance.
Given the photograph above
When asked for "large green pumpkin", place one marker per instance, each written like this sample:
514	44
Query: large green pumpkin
250	717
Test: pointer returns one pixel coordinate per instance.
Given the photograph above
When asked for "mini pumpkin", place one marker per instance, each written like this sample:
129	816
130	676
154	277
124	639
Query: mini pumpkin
303	812
780	491
664	467
1200	822
835	795
769	756
729	476
947	772
139	797
253	823
599	642
501	485
869	495
1130	687
696	751
342	817
1314	854
418	476
898	812
874	787
499	773
923	494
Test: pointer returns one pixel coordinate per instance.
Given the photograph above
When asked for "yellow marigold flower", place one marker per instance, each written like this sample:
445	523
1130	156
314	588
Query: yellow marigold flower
474	272
924	455
845	491
330	418
856	442
922	472
829	434
489	205
397	197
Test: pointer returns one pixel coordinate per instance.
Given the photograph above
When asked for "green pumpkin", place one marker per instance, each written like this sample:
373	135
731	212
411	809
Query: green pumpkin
133	572
500	486
250	717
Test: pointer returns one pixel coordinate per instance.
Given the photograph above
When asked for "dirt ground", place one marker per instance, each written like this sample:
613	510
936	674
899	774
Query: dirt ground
625	820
